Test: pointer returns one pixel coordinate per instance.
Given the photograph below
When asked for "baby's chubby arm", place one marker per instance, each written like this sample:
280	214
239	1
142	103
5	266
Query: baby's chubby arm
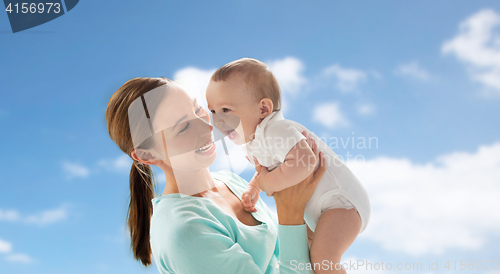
297	165
251	195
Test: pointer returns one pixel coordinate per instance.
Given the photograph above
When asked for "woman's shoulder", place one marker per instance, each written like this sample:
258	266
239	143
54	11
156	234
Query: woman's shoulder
175	209
180	215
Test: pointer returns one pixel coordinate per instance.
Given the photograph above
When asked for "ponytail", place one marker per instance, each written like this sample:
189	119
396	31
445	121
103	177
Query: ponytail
140	211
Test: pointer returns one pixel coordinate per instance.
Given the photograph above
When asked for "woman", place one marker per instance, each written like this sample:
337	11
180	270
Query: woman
198	224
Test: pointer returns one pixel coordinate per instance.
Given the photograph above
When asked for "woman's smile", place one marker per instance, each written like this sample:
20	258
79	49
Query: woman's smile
207	149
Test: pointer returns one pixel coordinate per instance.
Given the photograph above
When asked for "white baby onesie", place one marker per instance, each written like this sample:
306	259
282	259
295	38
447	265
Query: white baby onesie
275	136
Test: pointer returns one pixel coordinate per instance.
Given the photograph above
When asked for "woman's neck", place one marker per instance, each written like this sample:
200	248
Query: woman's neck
194	183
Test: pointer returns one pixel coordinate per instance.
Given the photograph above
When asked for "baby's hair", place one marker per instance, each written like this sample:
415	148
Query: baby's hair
256	75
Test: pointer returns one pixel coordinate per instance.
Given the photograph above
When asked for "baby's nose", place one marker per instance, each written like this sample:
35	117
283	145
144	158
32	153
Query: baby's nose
219	123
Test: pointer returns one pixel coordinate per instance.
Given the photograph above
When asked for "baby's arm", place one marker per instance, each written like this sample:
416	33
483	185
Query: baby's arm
251	195
297	165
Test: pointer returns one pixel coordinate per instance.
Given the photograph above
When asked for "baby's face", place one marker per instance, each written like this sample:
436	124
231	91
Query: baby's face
233	99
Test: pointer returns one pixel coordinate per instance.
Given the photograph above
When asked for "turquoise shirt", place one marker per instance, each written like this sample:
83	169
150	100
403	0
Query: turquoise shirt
194	235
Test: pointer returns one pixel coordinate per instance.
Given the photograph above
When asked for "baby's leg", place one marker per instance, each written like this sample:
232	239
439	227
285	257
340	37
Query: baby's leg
336	230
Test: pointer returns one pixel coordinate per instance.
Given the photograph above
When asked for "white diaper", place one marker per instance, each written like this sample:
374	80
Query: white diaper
337	201
338	188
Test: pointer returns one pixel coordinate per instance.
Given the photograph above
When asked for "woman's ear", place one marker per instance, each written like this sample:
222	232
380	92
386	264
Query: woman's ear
265	107
143	156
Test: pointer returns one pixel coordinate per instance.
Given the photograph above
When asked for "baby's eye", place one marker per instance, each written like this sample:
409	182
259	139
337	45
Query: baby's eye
213	111
225	109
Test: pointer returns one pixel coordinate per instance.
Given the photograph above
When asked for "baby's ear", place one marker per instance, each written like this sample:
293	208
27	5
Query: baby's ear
265	107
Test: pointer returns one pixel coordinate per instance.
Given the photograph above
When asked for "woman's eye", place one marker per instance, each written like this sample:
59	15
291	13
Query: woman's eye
225	110
185	128
198	110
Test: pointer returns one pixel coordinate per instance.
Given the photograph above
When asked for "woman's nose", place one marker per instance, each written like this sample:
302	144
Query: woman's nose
206	120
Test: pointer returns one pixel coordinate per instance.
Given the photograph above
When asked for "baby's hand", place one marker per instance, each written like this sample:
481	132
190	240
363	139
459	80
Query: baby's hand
249	199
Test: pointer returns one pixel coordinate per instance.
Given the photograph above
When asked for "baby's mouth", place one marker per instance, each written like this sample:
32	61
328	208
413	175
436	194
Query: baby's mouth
232	134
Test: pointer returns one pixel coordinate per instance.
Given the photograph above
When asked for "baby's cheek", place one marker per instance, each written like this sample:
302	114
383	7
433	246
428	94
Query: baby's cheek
249	128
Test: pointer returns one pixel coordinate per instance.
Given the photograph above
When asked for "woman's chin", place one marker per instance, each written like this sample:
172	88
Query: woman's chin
194	161
206	160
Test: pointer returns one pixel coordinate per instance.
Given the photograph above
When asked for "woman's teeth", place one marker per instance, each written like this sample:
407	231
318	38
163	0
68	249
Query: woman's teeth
204	148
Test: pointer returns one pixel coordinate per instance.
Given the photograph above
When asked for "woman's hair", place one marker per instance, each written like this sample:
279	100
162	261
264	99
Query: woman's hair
141	177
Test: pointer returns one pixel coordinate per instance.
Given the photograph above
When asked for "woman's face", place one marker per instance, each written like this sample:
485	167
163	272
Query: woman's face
186	133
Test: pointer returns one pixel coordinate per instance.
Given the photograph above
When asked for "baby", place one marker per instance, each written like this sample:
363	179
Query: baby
244	98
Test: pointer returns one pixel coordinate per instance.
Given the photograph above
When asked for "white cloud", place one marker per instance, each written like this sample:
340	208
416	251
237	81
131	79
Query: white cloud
9	215
414	70
75	170
449	203
288	72
5	247
202	77
375	74
122	163
366	109
329	115
347	79
42	218
48	216
477	45
19	258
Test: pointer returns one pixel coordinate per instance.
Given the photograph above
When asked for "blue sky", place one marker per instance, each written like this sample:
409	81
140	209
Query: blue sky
422	77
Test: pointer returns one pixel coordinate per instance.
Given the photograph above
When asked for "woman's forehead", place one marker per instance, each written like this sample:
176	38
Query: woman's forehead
173	106
157	110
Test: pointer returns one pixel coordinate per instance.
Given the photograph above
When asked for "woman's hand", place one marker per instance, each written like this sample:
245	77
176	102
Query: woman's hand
291	202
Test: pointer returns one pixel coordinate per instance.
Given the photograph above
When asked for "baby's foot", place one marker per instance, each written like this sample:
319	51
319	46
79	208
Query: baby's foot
249	199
